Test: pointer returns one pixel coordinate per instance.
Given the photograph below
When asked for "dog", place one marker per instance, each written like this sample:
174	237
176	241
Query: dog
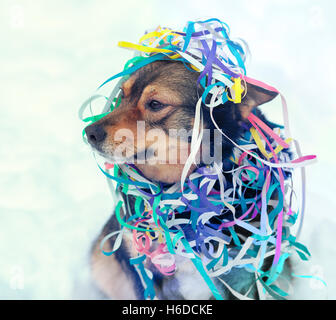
163	95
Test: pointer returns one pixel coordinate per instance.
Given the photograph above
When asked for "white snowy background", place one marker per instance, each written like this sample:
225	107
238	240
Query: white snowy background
54	200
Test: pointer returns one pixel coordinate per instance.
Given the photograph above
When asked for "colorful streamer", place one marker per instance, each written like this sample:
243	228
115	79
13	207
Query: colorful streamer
249	218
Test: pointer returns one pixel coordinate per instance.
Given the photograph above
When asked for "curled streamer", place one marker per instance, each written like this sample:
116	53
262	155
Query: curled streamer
249	218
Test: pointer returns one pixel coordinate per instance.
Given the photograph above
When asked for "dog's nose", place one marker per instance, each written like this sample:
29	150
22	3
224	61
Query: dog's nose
95	134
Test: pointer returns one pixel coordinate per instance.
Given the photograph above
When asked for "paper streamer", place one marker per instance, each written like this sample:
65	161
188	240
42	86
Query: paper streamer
249	218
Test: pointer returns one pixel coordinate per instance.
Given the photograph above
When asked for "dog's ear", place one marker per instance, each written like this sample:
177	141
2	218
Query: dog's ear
254	97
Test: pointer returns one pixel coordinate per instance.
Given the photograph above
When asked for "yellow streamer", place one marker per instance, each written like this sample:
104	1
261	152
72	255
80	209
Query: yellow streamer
145	49
237	89
261	147
258	142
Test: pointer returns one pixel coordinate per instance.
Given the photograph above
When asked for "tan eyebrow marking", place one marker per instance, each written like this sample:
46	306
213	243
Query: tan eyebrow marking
127	86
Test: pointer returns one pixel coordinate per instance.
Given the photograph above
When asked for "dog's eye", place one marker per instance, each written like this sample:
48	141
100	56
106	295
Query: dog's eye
154	105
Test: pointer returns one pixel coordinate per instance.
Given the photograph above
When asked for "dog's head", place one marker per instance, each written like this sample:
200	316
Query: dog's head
152	126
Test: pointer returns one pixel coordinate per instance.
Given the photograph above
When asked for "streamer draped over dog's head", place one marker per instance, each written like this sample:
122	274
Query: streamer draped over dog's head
257	164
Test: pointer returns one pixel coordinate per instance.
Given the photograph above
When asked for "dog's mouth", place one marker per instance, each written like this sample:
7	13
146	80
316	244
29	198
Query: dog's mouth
141	157
111	158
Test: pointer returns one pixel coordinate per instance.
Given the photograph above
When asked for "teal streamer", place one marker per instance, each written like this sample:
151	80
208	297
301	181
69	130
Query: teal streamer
149	289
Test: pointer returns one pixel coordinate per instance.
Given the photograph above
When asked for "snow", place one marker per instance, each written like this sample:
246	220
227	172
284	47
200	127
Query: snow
54	200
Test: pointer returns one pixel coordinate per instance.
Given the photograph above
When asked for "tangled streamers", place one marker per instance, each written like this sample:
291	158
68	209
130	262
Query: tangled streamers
249	217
